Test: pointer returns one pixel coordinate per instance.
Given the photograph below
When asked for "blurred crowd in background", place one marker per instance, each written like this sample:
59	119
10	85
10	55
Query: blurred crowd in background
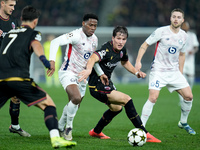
125	12
137	13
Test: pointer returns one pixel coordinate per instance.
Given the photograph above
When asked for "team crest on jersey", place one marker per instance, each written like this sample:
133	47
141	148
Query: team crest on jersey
87	55
13	25
180	42
121	54
94	45
172	50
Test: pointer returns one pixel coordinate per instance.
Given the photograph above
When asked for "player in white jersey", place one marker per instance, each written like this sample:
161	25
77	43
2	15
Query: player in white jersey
191	48
81	43
167	67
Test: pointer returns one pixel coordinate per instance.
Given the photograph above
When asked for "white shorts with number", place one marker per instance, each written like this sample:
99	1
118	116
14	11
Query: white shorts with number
172	80
67	78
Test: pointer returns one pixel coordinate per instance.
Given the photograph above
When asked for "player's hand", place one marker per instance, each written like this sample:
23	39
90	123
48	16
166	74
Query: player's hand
141	74
84	75
138	66
52	70
104	79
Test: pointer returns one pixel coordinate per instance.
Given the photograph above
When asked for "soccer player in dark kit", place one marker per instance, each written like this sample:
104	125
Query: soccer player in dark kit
15	54
7	22
102	87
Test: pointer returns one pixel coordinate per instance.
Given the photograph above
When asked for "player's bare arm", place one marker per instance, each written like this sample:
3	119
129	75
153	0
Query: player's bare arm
142	50
131	69
38	50
181	61
85	73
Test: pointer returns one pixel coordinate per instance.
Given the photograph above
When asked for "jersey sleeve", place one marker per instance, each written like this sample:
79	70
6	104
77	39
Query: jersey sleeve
102	54
183	49
36	36
65	39
154	37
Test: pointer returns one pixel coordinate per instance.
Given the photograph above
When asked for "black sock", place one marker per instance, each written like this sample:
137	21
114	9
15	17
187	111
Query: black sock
133	115
50	117
14	112
105	120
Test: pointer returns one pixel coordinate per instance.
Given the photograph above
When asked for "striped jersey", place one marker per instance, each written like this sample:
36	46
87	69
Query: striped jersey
78	50
168	47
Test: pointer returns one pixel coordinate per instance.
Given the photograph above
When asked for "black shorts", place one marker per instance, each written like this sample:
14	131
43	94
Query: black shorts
100	91
26	90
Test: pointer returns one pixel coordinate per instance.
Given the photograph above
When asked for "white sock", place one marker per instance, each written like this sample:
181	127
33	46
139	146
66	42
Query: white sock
146	111
185	110
63	120
17	127
53	133
71	112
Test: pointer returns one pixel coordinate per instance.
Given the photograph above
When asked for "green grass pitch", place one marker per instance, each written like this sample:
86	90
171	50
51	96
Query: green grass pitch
162	123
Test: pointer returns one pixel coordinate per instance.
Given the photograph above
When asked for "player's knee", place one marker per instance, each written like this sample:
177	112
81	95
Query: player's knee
43	104
126	99
76	100
189	97
153	99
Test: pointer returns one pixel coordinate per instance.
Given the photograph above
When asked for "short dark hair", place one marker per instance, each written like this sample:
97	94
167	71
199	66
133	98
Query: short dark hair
121	29
86	17
178	10
29	13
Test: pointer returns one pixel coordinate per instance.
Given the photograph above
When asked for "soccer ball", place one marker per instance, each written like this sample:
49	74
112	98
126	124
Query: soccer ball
136	137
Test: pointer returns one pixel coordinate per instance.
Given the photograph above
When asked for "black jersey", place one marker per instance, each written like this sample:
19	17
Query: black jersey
6	25
108	59
15	52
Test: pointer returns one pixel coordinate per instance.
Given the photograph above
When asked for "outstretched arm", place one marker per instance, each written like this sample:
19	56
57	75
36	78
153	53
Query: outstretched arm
85	73
131	69
38	50
142	50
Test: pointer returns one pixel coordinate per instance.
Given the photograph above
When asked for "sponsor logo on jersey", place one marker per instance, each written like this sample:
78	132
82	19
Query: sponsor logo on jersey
110	65
172	50
87	55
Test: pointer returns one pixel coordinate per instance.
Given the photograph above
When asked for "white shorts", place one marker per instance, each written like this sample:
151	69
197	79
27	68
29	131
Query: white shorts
172	80
67	78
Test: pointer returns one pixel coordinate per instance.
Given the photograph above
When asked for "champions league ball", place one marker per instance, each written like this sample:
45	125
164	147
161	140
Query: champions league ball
136	137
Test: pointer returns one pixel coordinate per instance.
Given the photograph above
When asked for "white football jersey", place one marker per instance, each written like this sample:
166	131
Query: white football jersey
189	66
78	50
168	47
